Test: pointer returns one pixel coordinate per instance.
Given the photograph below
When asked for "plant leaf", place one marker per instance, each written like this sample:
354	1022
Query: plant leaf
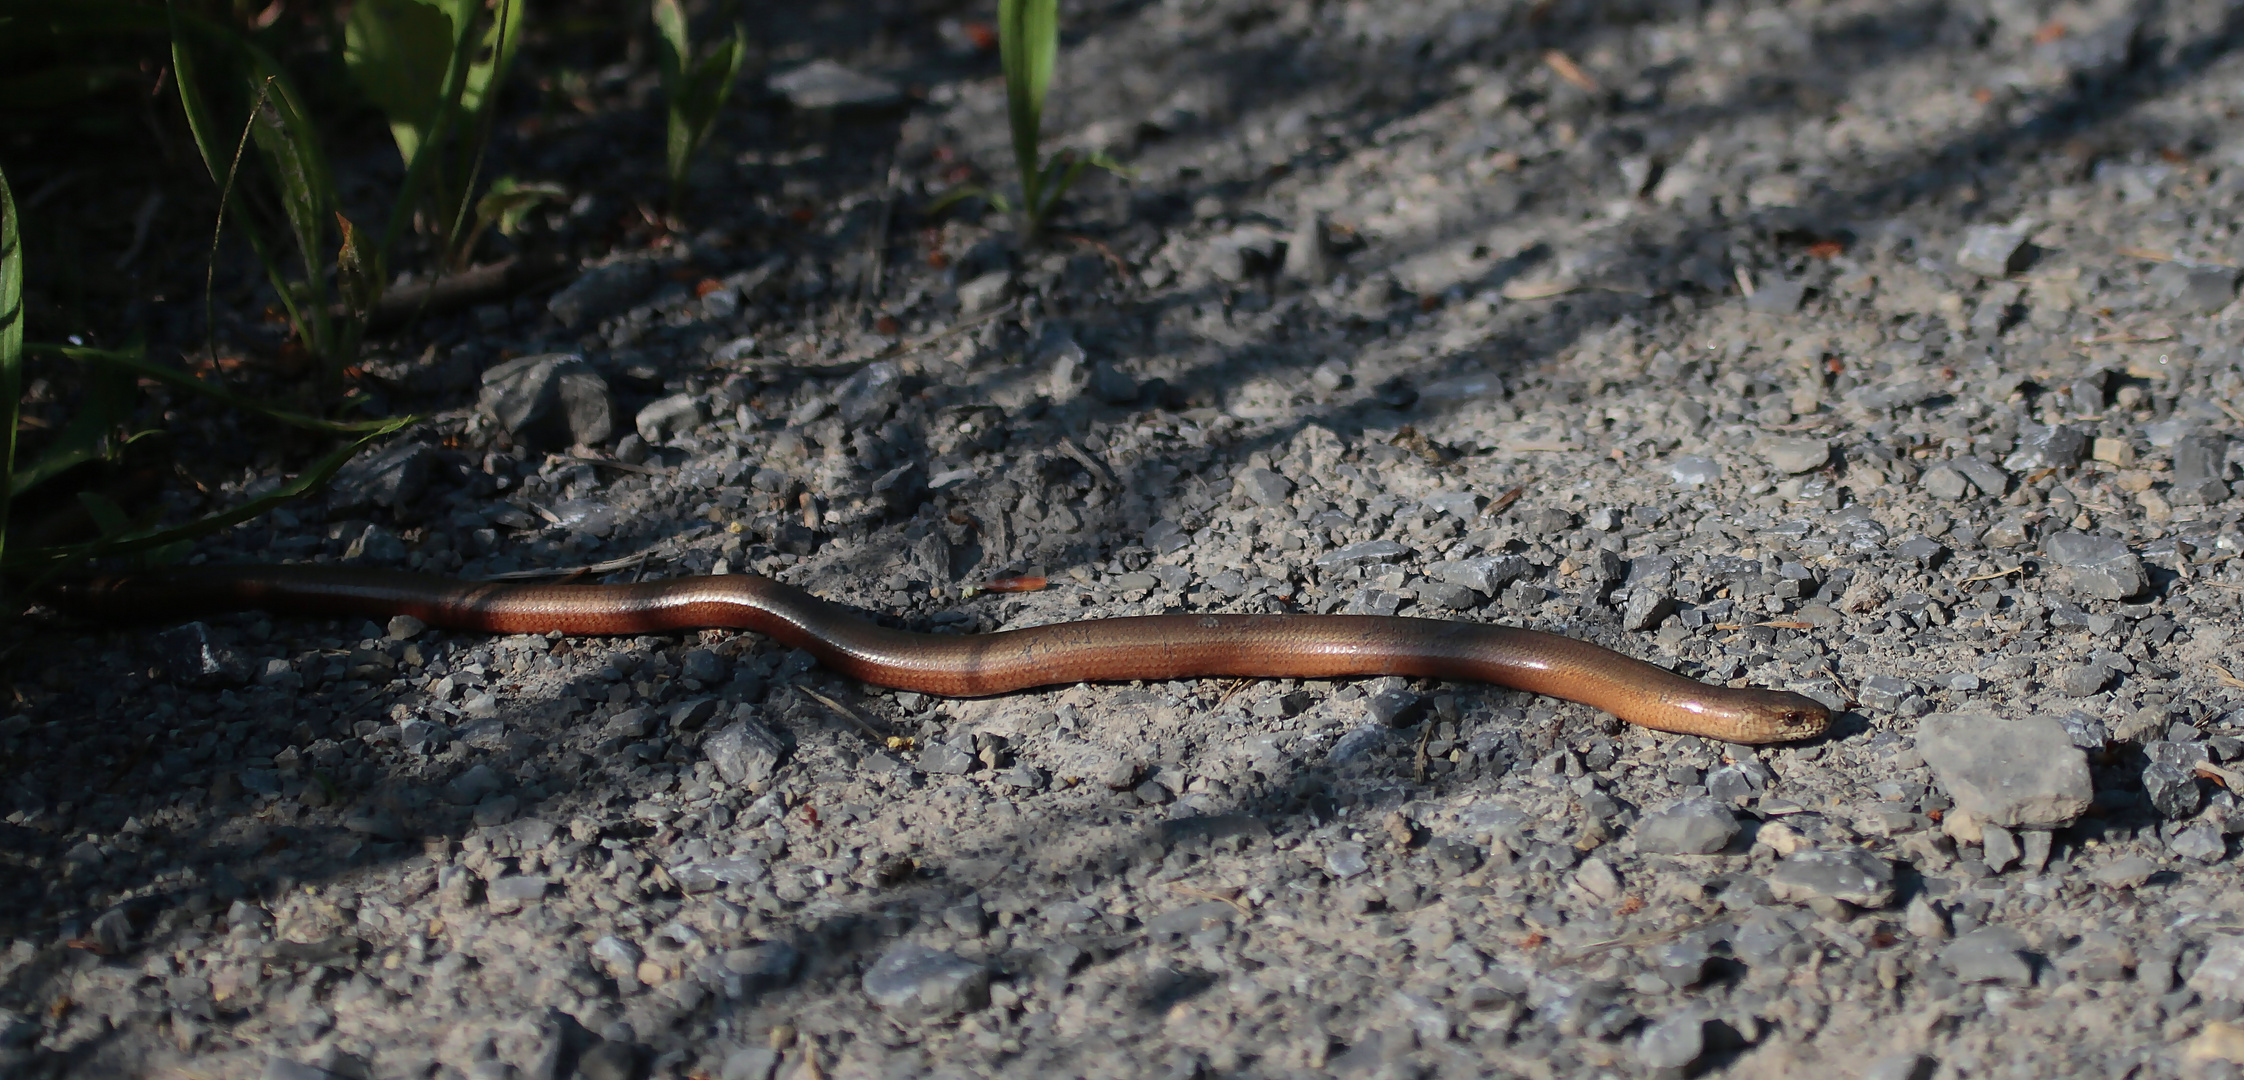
674	48
11	346
399	52
108	517
705	95
49	558
132	362
696	92
510	200
91	433
354	269
495	61
1028	39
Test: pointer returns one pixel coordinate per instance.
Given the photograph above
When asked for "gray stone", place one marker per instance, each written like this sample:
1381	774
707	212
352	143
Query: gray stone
600	292
768	966
945	759
703	666
2170	777
1698	826
1998	847
1923	918
192	655
393	476
1357	744
1925	552
1777	296
496	810
549	401
1264	487
1738	781
112	930
471	786
1995	250
1645	608
2221	973
374	823
1791	455
2125	872
1983	475
2055	446
691	714
700	877
2099	956
914	982
281	1068
824	84
1346	859
1885	693
749	1063
2200	470
1244	253
1397	707
1850	874
2194	289
2082	680
1943	481
2010	532
1995	954
1763	936
608	1059
1112	385
2199	840
1676	1042
869	397
1484	574
1906	1065
515	891
2094	567
984	294
1309	251
1365	552
667	418
745	752
1683	963
2017	774
1692	470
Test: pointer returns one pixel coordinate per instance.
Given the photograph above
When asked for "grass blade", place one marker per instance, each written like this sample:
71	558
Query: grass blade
289	141
696	92
499	41
52	558
11	346
90	435
1028	40
140	367
399	52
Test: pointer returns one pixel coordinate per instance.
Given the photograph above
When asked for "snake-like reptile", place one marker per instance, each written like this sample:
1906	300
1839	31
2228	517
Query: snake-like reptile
1098	650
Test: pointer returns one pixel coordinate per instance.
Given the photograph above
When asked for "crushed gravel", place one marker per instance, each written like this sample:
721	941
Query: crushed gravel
1887	355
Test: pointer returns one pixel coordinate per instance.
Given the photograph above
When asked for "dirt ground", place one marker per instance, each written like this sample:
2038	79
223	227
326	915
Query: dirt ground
1882	352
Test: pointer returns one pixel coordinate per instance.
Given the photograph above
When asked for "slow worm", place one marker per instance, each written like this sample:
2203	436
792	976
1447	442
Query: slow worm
1099	650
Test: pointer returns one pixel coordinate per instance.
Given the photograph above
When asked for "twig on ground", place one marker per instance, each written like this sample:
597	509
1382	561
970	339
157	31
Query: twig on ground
863	725
610	463
609	567
1228	894
2226	677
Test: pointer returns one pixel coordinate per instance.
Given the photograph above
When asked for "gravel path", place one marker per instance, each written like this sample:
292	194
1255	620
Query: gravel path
1881	352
